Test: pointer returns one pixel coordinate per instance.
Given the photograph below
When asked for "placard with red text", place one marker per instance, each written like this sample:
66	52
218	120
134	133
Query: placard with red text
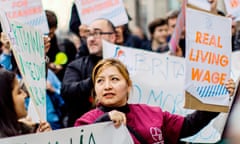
28	12
113	10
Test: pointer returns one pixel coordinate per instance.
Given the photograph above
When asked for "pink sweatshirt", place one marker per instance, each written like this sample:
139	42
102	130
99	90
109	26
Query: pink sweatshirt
154	125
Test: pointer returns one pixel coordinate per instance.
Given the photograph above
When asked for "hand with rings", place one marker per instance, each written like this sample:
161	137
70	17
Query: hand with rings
117	117
44	127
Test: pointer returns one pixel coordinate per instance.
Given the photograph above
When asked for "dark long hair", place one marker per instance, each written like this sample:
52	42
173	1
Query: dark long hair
9	125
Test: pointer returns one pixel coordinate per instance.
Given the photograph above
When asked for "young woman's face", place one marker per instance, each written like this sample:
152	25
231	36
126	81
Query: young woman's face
18	100
111	88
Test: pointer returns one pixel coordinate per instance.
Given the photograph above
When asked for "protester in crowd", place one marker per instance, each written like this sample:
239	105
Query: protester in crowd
54	49
77	84
5	55
78	28
112	85
7	59
171	22
66	44
235	35
12	108
82	50
124	37
139	32
158	29
54	102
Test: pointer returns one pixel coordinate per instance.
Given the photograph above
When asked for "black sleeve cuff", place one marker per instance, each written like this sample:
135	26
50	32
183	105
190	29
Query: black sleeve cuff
194	122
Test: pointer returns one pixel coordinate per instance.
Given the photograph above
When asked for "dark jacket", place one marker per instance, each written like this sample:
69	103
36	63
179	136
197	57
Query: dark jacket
22	129
132	41
54	49
148	46
77	86
83	50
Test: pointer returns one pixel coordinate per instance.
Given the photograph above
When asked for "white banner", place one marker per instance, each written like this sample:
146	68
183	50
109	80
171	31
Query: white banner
102	133
158	79
112	10
208	56
29	12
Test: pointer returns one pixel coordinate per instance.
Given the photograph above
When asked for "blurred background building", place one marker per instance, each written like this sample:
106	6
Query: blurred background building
144	11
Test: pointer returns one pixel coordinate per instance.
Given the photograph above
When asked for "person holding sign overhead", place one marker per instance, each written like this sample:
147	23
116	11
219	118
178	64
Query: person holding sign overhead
12	108
147	124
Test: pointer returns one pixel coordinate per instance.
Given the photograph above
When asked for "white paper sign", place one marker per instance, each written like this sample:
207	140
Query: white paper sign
208	56
112	10
28	50
102	133
29	12
233	8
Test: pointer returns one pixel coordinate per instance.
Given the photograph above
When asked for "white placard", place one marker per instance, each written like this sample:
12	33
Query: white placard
208	56
112	10
29	12
28	50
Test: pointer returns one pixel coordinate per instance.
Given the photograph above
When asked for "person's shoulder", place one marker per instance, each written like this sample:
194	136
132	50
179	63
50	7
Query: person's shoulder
78	61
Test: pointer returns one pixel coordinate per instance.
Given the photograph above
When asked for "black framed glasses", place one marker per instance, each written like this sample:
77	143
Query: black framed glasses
97	33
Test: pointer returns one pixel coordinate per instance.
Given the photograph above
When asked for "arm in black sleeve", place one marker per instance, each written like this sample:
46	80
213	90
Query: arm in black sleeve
194	122
105	117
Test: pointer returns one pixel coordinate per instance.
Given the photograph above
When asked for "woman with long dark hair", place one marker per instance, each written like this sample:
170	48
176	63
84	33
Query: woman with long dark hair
12	108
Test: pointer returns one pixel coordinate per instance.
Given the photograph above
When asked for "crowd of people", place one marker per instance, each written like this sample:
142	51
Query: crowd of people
89	89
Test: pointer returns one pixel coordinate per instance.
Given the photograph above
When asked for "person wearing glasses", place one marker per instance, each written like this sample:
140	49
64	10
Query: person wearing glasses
77	83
